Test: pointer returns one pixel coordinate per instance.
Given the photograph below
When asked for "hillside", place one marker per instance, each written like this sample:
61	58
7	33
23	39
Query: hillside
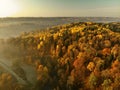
76	56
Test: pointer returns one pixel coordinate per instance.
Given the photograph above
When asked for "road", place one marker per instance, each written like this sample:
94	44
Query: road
7	68
28	69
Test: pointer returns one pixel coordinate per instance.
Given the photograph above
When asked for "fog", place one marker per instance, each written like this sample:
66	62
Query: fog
10	27
14	65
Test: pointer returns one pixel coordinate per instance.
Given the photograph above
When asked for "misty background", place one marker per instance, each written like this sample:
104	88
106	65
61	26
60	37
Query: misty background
10	27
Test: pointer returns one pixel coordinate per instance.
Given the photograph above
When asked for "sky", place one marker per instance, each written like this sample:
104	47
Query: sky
67	8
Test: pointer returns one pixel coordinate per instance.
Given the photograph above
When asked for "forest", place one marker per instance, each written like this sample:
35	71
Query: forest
75	56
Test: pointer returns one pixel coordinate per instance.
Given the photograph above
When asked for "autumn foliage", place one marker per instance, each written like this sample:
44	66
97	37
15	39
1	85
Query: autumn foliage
76	56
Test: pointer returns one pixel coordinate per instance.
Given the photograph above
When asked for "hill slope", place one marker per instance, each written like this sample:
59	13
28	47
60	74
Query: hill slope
76	56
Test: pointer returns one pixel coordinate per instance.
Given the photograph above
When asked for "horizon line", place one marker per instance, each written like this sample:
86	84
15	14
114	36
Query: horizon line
61	17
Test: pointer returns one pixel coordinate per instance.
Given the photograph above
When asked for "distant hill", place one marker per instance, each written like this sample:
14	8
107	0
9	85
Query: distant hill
82	19
11	27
